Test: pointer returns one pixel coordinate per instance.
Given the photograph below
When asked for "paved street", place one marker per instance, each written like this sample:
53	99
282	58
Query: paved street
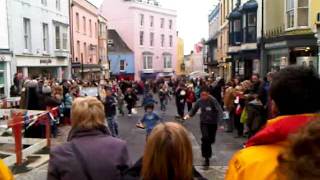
224	147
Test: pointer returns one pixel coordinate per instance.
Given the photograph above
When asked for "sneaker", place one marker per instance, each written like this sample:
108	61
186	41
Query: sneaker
129	115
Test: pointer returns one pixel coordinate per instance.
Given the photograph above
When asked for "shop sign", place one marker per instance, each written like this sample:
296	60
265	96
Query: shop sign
45	61
2	58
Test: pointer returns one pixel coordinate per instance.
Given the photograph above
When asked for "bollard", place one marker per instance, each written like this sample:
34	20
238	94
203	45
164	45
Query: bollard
16	125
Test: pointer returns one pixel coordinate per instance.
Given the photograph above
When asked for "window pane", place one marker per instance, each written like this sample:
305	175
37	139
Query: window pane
144	62
141	38
303	3
303	17
252	34
252	19
290	19
58	37
290	4
237	26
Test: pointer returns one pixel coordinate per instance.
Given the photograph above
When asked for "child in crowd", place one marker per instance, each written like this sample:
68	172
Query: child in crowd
120	99
149	120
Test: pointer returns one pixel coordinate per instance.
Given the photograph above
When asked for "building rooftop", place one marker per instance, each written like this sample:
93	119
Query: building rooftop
116	43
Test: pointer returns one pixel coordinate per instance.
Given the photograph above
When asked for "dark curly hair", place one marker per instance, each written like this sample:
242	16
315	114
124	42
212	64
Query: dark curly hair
296	90
301	159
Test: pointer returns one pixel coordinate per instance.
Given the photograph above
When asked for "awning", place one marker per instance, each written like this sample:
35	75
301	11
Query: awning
251	5
235	14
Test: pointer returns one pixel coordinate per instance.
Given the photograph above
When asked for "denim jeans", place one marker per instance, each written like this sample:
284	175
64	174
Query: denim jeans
113	126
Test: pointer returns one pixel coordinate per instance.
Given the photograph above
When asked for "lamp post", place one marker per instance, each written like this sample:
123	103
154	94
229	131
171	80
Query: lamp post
318	42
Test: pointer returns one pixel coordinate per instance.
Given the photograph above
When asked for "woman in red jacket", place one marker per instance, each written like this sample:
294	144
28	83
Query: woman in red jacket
191	97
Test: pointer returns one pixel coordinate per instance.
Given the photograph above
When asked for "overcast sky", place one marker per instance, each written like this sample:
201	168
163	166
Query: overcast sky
192	18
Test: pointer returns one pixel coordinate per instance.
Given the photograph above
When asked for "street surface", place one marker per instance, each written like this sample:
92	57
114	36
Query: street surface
223	149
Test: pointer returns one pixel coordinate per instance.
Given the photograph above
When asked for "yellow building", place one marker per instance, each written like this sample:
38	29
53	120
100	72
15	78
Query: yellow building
225	67
290	33
180	67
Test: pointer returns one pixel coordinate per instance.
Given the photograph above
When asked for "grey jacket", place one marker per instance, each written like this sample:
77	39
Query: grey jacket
211	111
105	157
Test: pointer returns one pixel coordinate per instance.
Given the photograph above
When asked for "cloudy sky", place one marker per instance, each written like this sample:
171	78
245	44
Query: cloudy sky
192	18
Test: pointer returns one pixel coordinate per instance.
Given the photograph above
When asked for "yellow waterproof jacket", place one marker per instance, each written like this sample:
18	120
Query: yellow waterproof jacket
259	160
5	173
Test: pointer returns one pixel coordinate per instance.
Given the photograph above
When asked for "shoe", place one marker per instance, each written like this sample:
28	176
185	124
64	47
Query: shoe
206	162
129	115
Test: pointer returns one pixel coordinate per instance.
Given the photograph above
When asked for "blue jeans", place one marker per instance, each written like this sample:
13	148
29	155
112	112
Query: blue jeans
113	126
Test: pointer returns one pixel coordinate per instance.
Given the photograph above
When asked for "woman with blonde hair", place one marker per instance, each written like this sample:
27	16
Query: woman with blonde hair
167	156
90	153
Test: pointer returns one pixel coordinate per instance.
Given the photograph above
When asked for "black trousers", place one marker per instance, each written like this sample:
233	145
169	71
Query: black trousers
129	107
180	108
238	125
189	104
208	132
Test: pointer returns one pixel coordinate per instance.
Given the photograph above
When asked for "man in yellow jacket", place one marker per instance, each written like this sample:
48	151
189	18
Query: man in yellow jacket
5	173
296	99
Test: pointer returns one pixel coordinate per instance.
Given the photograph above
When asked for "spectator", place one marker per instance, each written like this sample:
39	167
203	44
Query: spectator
295	95
90	153
300	160
167	156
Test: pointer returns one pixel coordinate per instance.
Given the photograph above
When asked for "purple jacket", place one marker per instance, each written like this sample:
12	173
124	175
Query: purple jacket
105	156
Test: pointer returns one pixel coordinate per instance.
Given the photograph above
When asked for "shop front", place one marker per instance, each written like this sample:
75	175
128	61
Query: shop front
43	67
5	74
300	50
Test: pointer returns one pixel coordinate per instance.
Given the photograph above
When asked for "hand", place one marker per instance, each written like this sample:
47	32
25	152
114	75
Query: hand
186	117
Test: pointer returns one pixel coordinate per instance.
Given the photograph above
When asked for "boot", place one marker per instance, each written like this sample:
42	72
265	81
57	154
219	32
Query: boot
206	162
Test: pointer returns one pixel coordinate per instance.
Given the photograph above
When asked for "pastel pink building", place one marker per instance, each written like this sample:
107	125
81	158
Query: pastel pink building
84	27
149	30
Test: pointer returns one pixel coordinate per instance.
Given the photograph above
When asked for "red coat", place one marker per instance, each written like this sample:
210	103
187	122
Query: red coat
191	96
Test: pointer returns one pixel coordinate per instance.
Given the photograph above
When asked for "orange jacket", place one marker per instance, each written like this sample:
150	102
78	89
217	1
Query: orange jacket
5	173
259	160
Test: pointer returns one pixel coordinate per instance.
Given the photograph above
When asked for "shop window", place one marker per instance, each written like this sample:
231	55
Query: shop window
235	32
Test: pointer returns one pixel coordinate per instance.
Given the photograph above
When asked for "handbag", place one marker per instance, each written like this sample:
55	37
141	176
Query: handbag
81	161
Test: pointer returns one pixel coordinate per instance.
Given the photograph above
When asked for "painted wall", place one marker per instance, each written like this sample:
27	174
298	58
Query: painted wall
124	16
115	62
274	17
314	10
4	42
38	14
214	22
90	12
180	56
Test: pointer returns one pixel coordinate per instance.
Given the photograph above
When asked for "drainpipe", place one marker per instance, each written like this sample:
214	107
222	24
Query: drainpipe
263	61
71	38
318	36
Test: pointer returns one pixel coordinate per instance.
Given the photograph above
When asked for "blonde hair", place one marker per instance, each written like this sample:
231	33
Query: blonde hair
87	113
168	154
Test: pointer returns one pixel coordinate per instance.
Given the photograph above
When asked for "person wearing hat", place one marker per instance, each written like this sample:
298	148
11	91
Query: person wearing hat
211	114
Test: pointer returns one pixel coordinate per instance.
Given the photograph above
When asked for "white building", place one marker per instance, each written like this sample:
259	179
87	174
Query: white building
5	54
39	37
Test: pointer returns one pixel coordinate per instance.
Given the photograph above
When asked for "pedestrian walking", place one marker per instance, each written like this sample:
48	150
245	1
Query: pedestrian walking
130	98
191	97
181	95
120	100
211	114
90	153
150	119
163	97
110	105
